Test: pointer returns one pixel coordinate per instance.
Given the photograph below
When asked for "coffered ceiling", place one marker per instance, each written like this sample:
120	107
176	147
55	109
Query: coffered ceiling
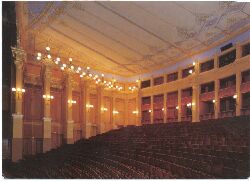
131	38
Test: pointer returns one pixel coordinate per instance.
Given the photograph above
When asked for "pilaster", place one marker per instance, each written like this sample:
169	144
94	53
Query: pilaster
179	105
238	50
195	103
47	118
152	109
86	124
216	98
17	141
165	108
69	121
100	101
238	93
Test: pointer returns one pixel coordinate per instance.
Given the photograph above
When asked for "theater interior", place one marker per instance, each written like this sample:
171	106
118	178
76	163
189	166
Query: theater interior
126	90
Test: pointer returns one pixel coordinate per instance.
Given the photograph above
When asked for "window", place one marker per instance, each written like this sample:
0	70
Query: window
172	77
207	66
145	84
187	72
246	50
227	58
158	80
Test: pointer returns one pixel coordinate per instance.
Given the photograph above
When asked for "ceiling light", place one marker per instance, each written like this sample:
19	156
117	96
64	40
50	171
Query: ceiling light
88	68
70	59
48	48
39	54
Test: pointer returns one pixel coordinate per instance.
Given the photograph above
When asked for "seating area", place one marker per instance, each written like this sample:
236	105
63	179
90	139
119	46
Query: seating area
208	149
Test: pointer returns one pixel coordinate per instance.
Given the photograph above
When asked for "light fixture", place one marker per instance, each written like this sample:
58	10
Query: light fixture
48	48
115	112
213	101
49	56
193	63
149	110
72	67
235	96
162	109
64	65
39	54
70	59
102	75
18	90
89	106
104	109
88	68
177	107
48	97
72	101
189	105
190	71
135	112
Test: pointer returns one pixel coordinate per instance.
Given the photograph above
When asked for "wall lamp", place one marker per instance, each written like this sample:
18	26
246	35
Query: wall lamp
18	91
115	112
48	97
90	106
71	101
104	109
135	112
177	107
149	110
235	96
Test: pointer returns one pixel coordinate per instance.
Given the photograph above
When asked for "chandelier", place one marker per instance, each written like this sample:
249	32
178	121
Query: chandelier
70	67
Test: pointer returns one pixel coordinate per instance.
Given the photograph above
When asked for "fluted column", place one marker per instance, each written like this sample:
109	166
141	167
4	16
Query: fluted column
138	104
69	120
17	141
195	103
216	98
47	117
86	111
152	109
113	116
165	108
126	112
179	105
100	101
238	93
238	50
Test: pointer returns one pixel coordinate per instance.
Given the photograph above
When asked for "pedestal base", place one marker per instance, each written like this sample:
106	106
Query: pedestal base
46	134
70	132
17	141
17	149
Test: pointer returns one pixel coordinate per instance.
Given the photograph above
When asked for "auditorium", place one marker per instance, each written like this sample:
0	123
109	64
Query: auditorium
125	90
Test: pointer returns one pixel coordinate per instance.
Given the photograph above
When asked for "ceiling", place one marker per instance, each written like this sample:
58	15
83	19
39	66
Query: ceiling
132	38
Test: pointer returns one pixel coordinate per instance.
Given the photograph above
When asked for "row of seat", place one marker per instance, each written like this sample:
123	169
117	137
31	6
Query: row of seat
209	149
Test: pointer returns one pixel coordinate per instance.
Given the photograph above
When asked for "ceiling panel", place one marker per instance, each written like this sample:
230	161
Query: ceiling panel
131	38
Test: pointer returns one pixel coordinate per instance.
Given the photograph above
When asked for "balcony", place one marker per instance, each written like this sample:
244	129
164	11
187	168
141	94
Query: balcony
186	100
226	114
207	116
172	119
172	102
245	111
228	91
145	107
245	87
187	118
207	96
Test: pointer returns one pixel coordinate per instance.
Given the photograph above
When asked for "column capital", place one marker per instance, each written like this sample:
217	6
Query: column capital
19	56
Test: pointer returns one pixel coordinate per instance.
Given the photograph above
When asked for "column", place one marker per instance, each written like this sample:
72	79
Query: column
238	93
113	120
17	141
179	105
238	51
138	104
69	120
86	122
100	101
165	107
216	98
47	117
216	61
126	112
152	109
195	104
